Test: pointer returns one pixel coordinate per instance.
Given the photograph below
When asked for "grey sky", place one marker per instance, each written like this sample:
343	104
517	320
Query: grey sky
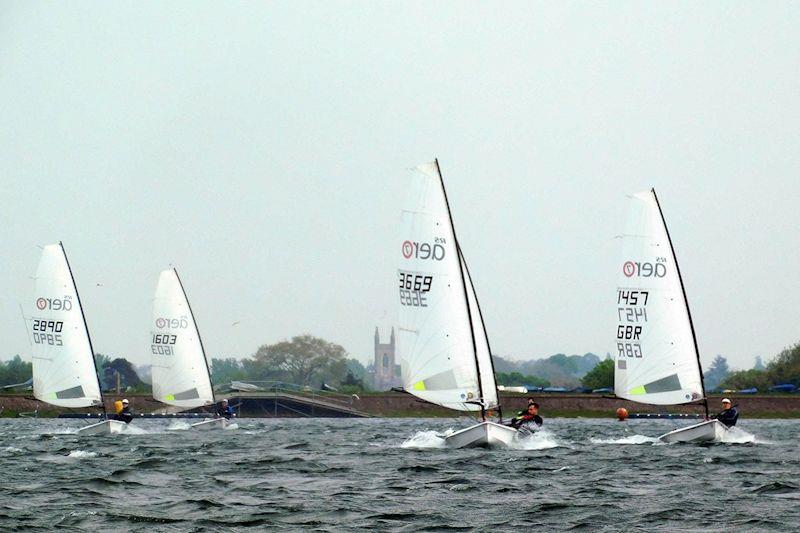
261	149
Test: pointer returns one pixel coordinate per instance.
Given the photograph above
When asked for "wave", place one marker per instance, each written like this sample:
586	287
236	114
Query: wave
736	435
179	425
81	454
539	440
632	439
11	450
426	439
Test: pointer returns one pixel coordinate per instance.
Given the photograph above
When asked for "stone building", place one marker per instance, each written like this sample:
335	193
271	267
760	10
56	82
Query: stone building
386	370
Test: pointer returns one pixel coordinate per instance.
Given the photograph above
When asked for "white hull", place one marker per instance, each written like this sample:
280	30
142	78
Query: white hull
482	435
708	431
106	427
214	423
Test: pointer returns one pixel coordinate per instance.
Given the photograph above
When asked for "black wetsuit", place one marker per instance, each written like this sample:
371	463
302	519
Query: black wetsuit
126	415
728	416
225	412
525	420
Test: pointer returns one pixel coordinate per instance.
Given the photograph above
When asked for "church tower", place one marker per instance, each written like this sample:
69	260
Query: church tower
387	372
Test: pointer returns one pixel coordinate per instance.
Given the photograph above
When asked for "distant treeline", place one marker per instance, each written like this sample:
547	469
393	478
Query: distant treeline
558	370
312	361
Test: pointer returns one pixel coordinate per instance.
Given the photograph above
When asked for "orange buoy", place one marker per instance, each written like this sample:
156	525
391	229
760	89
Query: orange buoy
622	414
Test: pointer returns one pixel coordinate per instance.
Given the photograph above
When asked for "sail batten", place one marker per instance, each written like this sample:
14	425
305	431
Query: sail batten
179	368
441	339
64	372
655	355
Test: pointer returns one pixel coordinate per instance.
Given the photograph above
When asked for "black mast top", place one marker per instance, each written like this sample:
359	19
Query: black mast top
86	328
197	330
685	301
464	286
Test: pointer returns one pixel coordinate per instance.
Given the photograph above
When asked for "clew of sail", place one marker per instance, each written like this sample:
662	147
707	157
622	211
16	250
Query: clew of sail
63	364
179	368
434	340
655	355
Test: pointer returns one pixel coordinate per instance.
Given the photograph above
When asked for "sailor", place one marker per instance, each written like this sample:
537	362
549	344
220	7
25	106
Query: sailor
729	414
224	410
530	419
125	414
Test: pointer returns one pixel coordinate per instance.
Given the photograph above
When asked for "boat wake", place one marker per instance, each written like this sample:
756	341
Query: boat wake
426	439
736	435
632	439
539	440
178	425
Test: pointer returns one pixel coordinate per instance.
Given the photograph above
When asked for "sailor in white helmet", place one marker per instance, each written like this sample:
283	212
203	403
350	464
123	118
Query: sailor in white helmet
224	410
729	414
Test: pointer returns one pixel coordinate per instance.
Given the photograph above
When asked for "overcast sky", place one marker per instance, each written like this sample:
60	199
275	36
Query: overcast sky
263	148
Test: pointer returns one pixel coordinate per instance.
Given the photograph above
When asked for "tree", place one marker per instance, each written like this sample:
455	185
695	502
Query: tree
128	377
716	373
14	371
516	379
601	376
227	370
304	360
746	379
785	367
759	364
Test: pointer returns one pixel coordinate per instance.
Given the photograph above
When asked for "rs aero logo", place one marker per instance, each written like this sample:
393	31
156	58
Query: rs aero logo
54	304
644	270
423	250
172	323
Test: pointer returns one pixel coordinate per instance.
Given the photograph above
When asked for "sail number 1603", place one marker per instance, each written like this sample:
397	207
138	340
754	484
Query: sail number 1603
162	344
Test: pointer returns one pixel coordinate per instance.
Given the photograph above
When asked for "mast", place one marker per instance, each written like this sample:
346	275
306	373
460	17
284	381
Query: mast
86	328
197	330
685	301
485	334
463	286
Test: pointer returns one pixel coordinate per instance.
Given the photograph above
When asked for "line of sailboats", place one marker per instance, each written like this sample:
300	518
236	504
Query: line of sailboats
442	339
443	343
64	369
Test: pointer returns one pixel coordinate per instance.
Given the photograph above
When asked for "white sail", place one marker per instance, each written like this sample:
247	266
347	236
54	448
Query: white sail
484	354
434	340
179	368
655	355
64	372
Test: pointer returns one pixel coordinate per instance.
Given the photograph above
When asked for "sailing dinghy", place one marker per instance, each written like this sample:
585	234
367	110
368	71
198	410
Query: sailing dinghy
657	359
64	370
181	377
444	350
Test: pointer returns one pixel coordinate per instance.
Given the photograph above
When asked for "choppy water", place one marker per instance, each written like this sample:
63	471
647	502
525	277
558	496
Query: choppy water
345	474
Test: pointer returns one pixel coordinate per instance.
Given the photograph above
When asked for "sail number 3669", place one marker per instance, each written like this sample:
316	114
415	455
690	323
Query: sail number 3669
414	288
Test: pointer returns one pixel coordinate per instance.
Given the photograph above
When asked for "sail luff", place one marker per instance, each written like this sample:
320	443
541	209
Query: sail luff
434	336
197	330
60	346
457	250
485	338
656	357
685	300
179	377
85	326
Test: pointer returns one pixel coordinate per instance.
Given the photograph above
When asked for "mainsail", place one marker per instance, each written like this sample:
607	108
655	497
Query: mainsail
444	352
656	358
64	371
180	369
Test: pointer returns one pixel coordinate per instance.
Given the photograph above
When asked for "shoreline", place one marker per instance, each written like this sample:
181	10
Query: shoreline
400	405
